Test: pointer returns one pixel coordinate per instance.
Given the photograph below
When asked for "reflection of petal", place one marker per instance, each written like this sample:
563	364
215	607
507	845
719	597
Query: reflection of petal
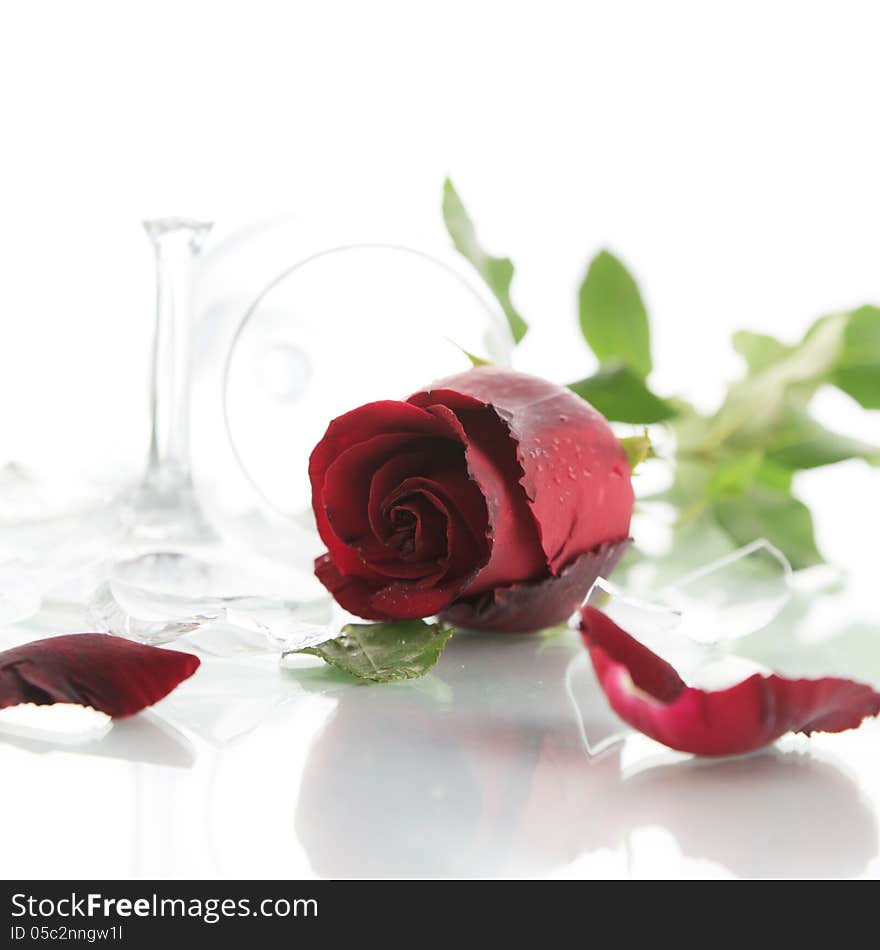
59	723
770	815
566	815
144	739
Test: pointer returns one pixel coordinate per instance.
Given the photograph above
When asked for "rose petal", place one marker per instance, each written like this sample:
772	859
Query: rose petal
646	692
397	600
346	491
460	500
115	676
361	425
516	553
386	478
575	472
421	518
523	608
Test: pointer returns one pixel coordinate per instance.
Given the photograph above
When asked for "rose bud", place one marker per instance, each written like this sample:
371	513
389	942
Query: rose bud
647	692
115	676
493	499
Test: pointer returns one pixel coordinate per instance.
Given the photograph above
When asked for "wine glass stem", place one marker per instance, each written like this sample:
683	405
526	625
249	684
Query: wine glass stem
176	246
165	503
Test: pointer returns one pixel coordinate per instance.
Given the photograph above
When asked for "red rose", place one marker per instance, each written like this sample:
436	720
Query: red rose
494	499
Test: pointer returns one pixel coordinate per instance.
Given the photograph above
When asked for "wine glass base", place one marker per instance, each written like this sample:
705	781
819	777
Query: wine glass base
152	514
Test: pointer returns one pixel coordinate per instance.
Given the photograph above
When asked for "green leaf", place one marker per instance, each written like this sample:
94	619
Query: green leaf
637	448
801	442
497	272
622	396
858	369
384	652
613	318
777	477
764	512
735	475
754	406
690	485
475	360
759	350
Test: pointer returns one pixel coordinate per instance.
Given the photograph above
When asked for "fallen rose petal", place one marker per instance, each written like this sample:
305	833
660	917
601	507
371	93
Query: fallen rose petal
115	676
647	692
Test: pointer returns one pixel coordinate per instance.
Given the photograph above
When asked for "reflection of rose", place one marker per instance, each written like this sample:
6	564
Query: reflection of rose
401	783
493	498
489	776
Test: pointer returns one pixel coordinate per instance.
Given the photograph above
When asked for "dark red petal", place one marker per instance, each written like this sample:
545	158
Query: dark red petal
353	428
402	601
575	472
516	553
416	550
645	691
351	592
386	478
397	587
421	520
444	536
345	498
118	677
460	500
397	600
346	491
524	608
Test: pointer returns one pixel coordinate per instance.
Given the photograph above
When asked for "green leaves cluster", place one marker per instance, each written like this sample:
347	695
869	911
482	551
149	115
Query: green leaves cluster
735	468
747	453
612	315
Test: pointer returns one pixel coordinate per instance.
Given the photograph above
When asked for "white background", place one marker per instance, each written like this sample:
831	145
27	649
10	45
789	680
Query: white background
729	152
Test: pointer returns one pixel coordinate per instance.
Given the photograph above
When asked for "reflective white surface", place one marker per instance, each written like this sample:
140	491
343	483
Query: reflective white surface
502	762
487	767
